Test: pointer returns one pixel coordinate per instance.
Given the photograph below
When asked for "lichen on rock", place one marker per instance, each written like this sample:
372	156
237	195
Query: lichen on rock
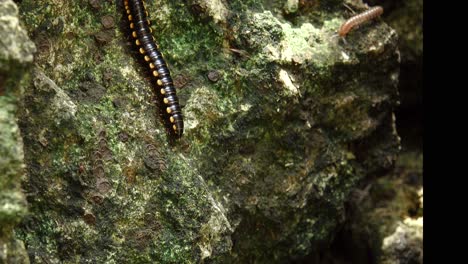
16	53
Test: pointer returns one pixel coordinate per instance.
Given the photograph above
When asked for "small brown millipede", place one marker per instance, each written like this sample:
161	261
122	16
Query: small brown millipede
359	19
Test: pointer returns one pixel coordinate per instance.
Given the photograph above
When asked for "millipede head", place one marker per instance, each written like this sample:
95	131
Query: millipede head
178	127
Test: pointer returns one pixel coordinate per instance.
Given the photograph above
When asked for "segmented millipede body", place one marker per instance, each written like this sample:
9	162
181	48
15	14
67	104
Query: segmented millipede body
359	19
145	42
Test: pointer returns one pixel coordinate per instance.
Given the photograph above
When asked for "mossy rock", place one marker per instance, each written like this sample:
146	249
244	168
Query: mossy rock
16	54
282	120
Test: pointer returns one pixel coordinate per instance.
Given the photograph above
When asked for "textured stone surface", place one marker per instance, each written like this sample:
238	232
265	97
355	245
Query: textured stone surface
271	150
384	218
405	245
16	52
406	17
387	225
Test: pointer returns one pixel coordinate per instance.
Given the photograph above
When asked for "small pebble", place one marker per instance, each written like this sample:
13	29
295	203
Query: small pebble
214	76
107	22
96	4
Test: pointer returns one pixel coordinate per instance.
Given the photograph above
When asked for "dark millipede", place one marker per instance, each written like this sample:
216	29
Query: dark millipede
359	19
144	41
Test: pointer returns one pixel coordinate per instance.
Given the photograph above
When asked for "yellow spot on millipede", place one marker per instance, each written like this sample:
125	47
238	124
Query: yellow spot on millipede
147	58
152	66
142	50
172	119
168	110
159	82
132	25
134	34
155	73
128	11
137	42
130	17
174	127
166	101
163	91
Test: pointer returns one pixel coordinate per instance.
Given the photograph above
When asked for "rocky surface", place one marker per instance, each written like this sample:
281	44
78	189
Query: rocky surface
405	244
16	52
406	17
388	221
384	219
282	120
385	216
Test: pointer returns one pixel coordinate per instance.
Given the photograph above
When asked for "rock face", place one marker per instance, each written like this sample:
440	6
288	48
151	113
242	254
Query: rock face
406	17
384	219
282	120
405	244
15	55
